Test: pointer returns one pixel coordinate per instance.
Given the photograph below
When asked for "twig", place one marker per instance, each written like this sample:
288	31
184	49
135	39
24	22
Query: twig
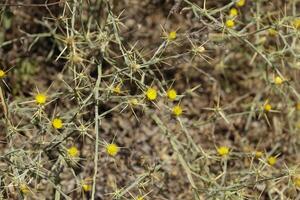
96	95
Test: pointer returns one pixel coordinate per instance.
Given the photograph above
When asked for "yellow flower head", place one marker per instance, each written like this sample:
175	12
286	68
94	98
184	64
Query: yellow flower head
268	107
297	181
298	106
57	123
177	110
73	152
229	23
140	198
240	3
86	187
258	154
272	32
86	184
117	89
112	149
151	94
278	80
2	73
24	189
296	23
172	94
223	151
272	160
172	35
40	98
233	12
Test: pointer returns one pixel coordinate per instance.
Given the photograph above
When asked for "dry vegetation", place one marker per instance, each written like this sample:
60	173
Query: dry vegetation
152	99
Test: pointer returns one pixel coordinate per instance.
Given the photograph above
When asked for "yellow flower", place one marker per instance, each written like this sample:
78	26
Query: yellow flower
296	23
24	188
223	151
151	94
40	98
117	89
298	106
272	160
140	198
278	80
73	152
86	184
272	32
57	123
233	12
229	23
258	154
297	181
172	35
86	187
268	107
172	94
112	149
177	110
2	73
240	3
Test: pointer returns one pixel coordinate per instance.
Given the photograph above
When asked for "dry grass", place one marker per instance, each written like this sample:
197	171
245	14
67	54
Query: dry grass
87	112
